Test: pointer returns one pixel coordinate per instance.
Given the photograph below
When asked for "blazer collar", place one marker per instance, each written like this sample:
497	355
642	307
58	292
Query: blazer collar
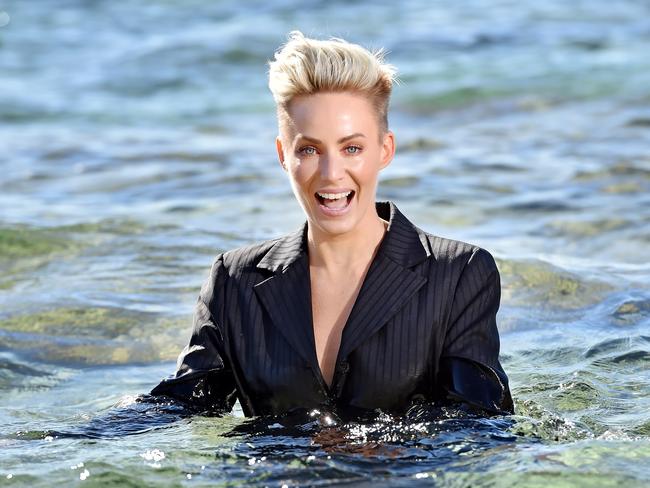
402	243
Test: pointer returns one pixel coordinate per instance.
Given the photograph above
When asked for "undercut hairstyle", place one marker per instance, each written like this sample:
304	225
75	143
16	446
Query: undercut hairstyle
305	66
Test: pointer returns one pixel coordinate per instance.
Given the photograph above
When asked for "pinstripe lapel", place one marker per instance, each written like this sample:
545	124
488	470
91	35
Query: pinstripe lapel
286	295
388	285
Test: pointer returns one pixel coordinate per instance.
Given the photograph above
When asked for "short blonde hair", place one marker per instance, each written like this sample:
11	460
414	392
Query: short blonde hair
305	66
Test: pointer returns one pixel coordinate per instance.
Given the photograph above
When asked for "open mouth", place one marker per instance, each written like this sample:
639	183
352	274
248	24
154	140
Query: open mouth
333	203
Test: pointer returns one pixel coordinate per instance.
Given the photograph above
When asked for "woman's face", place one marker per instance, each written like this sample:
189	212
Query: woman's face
331	151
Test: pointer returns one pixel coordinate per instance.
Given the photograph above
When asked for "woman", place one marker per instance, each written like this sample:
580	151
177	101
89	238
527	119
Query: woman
358	309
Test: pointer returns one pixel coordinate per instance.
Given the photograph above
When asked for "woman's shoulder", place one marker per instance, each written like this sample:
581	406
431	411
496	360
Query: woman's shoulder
439	250
455	252
247	257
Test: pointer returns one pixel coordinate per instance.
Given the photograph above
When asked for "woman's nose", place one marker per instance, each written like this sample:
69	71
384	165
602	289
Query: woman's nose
332	167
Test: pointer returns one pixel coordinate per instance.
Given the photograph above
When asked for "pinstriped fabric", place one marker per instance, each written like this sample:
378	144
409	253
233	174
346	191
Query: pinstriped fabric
476	301
424	299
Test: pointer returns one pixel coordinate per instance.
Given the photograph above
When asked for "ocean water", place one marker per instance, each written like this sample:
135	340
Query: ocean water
137	142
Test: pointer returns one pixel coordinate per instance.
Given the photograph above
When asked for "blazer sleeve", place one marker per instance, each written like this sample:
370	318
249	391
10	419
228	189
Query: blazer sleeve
469	370
204	377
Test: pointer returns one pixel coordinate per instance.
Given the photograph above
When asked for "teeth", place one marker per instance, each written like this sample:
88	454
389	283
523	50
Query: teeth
334	196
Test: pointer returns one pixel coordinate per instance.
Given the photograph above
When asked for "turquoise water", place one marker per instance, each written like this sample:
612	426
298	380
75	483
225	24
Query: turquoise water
138	141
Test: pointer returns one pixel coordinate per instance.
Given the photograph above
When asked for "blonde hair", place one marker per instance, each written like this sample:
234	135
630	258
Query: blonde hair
305	66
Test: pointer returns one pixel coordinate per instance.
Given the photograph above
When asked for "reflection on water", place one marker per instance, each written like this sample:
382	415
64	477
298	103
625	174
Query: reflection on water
138	142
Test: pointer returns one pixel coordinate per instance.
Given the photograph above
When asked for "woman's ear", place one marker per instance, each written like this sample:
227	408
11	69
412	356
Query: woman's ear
279	148
387	149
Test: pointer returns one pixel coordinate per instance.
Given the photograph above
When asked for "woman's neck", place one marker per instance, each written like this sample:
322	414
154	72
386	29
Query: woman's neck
350	251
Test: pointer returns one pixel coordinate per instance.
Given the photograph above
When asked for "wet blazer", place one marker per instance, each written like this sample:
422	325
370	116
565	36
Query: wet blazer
423	328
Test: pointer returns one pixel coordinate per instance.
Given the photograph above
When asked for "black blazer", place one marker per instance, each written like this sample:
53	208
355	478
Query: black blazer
423	328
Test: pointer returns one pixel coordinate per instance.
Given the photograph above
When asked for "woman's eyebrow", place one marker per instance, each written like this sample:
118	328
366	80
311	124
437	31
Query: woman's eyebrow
341	140
351	136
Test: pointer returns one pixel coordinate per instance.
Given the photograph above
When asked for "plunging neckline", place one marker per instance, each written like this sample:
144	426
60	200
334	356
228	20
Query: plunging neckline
338	363
327	358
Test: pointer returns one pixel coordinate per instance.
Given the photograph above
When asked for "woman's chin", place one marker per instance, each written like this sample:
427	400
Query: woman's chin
335	228
332	226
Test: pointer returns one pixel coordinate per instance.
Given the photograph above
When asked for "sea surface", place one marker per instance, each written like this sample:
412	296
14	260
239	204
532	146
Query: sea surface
137	142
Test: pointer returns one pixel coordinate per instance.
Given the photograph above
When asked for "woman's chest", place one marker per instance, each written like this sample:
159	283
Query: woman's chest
332	300
277	361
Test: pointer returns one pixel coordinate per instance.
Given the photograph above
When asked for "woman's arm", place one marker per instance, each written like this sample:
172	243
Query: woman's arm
470	371
203	375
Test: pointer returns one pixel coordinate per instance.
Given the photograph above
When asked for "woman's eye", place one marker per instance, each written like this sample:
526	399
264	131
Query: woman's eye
353	149
308	150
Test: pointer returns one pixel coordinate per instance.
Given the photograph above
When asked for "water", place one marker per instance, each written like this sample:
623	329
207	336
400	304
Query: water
138	141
